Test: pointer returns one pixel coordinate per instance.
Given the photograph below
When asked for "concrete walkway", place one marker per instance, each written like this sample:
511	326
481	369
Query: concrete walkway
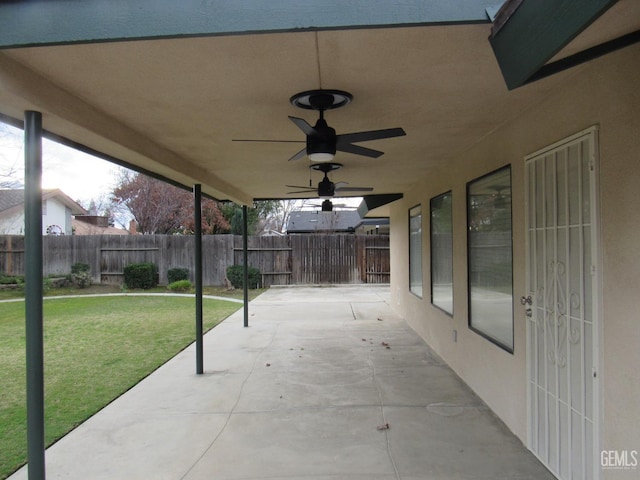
326	383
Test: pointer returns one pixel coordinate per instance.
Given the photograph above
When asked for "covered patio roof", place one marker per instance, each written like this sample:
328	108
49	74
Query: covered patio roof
173	97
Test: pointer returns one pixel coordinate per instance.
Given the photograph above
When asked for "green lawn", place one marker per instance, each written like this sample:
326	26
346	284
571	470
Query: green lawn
96	348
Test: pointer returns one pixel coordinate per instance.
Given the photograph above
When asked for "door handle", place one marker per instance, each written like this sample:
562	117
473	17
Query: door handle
526	300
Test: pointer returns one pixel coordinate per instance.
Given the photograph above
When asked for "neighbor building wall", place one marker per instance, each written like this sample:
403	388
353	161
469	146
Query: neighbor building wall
56	214
603	93
12	224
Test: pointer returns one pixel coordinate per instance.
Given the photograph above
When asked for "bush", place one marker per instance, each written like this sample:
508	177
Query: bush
11	279
235	274
80	275
141	275
180	286
176	274
79	267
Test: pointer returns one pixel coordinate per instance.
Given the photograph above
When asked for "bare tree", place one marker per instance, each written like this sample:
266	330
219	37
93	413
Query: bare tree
10	159
160	208
279	219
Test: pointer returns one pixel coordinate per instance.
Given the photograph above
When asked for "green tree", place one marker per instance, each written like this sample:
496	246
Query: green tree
257	216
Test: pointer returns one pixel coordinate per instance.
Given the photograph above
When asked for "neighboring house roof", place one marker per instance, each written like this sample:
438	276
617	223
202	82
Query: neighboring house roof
315	221
83	227
76	208
12	201
379	225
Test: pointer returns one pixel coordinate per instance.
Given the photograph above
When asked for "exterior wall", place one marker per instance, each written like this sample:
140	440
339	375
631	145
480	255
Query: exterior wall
606	93
12	225
56	214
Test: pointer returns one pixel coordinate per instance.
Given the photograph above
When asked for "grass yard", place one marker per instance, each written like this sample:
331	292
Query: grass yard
95	348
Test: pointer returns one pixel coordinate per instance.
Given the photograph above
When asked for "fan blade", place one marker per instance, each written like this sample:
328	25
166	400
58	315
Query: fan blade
354	189
302	124
299	155
370	135
311	189
358	150
301	191
265	140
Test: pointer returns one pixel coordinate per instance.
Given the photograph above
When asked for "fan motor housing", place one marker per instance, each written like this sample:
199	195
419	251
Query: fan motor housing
326	188
324	141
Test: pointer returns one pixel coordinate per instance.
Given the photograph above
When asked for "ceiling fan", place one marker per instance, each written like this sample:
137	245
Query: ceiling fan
326	188
322	141
327	206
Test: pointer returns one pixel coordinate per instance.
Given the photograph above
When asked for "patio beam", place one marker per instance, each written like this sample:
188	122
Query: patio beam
33	295
526	35
51	22
108	131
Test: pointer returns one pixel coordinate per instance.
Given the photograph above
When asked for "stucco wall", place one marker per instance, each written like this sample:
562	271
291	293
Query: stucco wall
606	93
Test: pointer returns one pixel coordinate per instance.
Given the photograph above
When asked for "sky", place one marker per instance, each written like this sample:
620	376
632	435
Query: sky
81	176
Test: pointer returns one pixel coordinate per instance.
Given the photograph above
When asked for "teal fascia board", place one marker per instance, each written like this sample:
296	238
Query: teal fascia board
537	31
53	22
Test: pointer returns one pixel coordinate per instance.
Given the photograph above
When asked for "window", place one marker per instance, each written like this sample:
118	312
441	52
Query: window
415	250
442	253
490	257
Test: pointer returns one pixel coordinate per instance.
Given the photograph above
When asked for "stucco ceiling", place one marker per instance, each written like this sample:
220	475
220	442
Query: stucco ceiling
175	106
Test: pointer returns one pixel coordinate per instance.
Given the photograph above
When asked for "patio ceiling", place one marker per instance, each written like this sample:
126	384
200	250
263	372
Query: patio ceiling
175	106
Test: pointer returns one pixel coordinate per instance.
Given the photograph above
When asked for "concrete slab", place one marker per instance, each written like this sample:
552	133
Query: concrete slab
325	383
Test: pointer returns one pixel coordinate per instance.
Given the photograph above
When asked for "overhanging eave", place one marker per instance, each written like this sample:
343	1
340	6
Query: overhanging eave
535	31
49	22
369	202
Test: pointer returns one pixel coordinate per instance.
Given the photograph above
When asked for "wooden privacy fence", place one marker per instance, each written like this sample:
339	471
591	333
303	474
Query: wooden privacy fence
288	260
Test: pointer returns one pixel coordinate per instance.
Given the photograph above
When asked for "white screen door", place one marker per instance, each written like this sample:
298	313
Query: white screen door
561	308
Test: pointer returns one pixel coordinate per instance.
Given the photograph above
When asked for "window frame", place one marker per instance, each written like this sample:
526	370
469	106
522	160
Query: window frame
411	214
432	252
509	347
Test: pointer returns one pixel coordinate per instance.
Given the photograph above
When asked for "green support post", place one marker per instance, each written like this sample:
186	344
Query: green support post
197	194
33	295
245	259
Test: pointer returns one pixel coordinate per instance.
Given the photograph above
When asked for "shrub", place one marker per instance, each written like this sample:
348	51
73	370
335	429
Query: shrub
180	286
235	274
141	275
11	279
177	273
79	267
80	275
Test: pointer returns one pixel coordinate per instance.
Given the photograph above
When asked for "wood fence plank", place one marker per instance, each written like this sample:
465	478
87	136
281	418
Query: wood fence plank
294	259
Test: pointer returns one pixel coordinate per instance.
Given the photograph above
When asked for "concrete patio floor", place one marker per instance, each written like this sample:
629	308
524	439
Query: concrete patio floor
325	383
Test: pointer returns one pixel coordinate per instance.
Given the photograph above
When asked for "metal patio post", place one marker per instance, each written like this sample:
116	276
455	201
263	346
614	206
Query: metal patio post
245	234
33	295
197	195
